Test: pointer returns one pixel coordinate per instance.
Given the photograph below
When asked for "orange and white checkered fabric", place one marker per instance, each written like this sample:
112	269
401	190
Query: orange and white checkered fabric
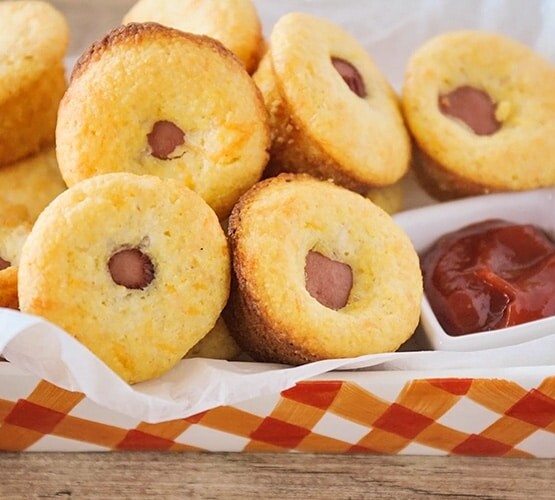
433	416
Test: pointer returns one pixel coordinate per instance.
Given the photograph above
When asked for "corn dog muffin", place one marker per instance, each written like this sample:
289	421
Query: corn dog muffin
332	112
217	344
183	108
235	23
32	182
319	272
14	230
389	198
33	41
480	107
135	267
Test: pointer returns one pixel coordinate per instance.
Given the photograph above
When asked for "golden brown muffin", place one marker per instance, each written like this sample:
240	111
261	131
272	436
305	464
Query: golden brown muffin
33	182
148	99
480	107
319	272
217	344
33	41
14	230
332	112
133	266
388	198
235	23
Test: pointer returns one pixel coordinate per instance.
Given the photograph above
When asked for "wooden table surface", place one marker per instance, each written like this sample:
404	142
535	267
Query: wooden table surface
216	475
269	476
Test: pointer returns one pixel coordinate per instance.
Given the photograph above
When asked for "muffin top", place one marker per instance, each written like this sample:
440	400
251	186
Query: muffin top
288	235
135	267
183	108
235	23
34	36
339	97
509	88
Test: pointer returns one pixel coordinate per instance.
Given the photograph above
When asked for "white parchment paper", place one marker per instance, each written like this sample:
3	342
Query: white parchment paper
195	385
391	31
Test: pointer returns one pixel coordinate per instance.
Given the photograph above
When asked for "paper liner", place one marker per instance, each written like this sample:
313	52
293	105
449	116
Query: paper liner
195	385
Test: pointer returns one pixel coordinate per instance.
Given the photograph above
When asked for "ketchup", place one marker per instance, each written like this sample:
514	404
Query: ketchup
490	275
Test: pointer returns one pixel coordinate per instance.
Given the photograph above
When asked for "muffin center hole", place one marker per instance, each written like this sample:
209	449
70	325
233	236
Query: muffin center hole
131	268
164	139
350	75
473	107
328	281
4	264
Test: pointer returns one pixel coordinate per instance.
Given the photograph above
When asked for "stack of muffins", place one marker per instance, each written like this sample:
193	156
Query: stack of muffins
33	41
185	120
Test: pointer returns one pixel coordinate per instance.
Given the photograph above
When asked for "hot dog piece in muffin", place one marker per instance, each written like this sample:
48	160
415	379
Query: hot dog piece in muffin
33	41
332	112
14	230
134	267
235	23
480	108
319	272
32	182
183	108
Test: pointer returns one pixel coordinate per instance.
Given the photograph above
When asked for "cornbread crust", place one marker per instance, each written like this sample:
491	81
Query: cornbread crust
8	288
388	198
270	312
33	41
140	74
32	182
217	344
451	160
319	125
64	275
234	23
14	230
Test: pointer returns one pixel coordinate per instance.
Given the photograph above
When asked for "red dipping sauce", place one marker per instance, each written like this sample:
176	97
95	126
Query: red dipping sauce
490	275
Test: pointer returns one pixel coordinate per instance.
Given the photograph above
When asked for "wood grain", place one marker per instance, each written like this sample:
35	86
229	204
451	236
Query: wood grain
268	476
245	476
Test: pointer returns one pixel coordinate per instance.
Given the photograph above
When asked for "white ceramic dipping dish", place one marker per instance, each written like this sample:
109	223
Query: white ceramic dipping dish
425	225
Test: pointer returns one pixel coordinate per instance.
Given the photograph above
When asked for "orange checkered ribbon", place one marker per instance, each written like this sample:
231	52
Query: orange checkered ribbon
434	416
